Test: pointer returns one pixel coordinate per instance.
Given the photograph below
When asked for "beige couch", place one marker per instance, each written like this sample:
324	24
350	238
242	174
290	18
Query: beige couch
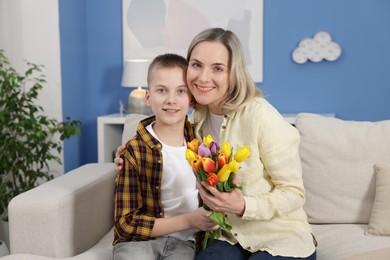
346	172
70	215
347	199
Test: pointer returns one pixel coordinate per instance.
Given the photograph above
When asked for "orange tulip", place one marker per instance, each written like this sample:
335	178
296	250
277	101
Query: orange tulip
222	160
212	179
195	164
208	165
193	145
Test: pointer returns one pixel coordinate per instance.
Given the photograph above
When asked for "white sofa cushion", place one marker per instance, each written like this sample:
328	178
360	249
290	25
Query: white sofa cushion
379	254
101	251
337	161
380	215
337	241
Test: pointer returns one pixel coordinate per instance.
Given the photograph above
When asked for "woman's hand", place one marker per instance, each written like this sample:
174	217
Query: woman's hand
232	201
118	160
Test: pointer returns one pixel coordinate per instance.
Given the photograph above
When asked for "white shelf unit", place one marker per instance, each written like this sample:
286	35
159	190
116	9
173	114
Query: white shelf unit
110	128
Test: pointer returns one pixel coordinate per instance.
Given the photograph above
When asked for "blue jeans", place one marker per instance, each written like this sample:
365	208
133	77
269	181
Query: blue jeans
167	248
218	250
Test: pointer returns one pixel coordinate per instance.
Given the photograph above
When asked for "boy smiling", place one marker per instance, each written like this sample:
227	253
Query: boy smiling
157	210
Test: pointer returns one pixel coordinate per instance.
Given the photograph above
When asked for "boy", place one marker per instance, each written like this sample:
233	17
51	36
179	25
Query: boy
156	201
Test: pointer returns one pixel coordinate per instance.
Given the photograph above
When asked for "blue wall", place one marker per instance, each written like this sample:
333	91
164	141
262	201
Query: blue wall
355	87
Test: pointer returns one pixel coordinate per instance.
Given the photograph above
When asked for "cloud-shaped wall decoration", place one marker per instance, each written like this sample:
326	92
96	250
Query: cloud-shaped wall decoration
316	49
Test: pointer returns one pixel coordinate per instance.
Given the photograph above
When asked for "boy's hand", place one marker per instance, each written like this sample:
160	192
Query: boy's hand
118	160
200	220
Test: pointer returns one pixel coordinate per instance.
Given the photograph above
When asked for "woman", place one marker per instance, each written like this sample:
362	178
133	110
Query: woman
267	215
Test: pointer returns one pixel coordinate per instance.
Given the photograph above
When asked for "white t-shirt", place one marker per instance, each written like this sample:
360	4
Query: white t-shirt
178	185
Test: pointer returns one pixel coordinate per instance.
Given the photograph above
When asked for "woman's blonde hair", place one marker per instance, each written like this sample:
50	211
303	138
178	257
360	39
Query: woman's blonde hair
241	89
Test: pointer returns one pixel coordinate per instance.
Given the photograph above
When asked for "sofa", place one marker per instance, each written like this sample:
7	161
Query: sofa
346	171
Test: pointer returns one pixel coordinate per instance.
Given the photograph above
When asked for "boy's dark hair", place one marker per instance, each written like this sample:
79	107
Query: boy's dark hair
168	60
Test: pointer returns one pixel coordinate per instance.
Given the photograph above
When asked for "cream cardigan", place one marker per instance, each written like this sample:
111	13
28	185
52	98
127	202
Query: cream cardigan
274	219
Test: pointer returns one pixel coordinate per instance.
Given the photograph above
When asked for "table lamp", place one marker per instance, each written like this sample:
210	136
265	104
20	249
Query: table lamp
135	73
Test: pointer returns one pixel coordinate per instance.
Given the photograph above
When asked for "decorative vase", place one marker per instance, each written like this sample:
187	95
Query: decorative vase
3	249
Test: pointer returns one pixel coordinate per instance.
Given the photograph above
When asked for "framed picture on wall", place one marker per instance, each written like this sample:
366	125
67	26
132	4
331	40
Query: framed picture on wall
153	27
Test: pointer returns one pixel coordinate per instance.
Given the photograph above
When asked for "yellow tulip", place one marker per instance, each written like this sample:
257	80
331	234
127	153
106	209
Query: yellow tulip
225	149
190	155
233	166
223	173
207	140
242	154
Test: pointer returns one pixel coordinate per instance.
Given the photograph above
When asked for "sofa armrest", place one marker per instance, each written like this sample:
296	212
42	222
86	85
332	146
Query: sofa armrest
65	216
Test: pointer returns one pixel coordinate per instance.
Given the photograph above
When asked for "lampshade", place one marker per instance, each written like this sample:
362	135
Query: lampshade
135	73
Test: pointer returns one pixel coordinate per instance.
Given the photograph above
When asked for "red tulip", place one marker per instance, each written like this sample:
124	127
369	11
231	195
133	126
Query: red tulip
212	179
222	160
208	164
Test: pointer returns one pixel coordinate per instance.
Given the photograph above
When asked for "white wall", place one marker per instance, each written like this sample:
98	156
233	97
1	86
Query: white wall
29	30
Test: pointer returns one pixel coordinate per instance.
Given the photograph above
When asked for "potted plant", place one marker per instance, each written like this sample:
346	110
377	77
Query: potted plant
29	139
3	249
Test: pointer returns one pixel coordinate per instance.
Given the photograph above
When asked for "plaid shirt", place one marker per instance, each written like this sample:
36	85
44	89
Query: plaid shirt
138	185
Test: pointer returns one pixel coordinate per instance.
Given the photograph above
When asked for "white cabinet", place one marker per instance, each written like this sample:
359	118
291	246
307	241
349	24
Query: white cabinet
110	128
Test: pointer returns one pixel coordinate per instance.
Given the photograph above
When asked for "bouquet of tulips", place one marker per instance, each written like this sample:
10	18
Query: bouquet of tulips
216	165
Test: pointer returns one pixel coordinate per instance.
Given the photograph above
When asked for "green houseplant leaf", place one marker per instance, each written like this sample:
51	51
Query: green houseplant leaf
27	142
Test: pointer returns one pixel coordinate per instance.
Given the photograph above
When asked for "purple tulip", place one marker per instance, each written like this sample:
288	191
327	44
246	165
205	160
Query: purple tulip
203	151
214	148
